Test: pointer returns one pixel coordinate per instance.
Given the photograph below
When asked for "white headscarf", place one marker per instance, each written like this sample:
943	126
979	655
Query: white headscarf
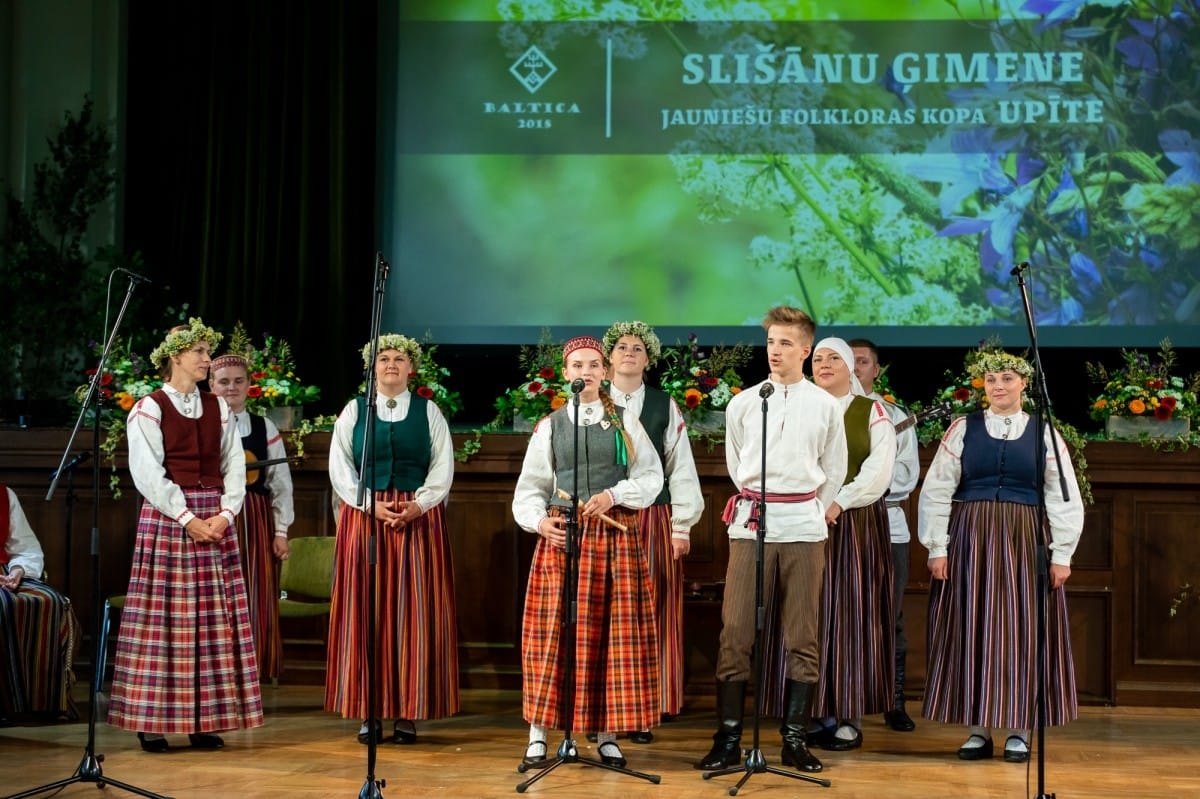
843	349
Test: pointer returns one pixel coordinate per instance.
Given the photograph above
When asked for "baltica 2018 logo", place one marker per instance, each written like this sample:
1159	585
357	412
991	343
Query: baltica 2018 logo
533	69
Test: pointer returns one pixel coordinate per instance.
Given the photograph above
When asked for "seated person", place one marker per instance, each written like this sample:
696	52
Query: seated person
34	680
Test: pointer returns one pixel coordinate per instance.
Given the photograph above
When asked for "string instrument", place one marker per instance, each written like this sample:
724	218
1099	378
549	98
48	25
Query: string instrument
939	411
253	464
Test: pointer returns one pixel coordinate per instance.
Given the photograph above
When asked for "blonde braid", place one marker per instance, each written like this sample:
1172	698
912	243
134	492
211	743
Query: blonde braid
610	408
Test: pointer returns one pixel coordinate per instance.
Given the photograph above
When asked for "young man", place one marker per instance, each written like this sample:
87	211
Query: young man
905	474
805	464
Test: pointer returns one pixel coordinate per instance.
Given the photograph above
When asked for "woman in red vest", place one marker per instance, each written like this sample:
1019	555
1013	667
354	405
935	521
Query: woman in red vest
185	658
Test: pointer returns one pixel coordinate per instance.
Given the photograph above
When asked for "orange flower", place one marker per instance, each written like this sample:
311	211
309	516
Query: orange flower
977	382
735	390
557	402
124	400
1101	404
692	398
1137	407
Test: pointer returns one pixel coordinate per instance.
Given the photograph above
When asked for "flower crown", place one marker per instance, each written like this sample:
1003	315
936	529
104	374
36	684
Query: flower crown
639	329
395	341
999	361
183	340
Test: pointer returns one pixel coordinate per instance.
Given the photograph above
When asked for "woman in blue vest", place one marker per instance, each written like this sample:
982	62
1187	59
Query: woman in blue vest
631	348
410	475
978	517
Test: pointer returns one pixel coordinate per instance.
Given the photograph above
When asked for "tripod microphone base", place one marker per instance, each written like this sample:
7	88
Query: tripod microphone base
756	763
569	753
372	789
89	770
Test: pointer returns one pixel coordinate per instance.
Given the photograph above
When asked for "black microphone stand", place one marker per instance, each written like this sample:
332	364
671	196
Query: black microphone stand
1042	411
89	769
69	513
568	752
372	788
756	762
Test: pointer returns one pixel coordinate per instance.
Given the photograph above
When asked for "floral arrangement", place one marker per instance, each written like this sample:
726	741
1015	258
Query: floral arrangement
883	387
429	382
1145	387
700	382
126	379
273	380
542	390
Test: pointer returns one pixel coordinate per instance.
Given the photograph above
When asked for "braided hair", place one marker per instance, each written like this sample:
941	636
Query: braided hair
610	408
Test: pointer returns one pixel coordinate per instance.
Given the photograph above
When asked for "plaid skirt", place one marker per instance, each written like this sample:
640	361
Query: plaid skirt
38	635
185	652
983	625
256	540
415	618
857	637
615	679
666	591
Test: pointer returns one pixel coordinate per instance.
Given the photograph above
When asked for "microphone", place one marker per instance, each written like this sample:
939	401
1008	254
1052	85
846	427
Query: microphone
1019	268
768	388
577	385
71	464
134	276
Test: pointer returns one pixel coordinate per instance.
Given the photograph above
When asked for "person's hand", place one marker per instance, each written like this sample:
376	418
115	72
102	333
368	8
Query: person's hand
12	580
199	531
386	513
407	512
554	530
939	569
218	525
832	513
280	547
680	547
597	504
1059	575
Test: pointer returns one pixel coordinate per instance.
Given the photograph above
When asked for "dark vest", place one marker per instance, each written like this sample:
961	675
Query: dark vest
858	434
997	469
402	455
5	521
598	467
192	446
256	444
656	415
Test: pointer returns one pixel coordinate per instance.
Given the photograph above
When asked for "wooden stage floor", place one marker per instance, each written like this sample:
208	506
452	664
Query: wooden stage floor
302	752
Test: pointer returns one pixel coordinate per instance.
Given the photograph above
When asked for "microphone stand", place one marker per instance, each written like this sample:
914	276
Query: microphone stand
89	769
756	762
372	788
568	752
69	513
1042	410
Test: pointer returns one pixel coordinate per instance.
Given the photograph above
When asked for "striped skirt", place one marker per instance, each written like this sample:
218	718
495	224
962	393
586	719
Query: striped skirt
615	681
983	625
38	634
256	540
416	635
858	637
185	652
666	591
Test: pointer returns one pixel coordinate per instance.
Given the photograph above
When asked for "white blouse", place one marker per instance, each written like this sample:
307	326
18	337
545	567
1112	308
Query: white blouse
23	548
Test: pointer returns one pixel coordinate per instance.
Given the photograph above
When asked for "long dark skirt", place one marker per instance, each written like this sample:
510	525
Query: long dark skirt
983	625
38	634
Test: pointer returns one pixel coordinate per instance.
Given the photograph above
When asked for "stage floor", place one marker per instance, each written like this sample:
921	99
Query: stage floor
303	752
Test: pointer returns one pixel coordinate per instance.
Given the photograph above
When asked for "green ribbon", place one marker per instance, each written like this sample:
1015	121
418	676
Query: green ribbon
622	450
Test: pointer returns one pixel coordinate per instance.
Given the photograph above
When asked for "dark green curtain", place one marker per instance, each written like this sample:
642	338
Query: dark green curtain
249	182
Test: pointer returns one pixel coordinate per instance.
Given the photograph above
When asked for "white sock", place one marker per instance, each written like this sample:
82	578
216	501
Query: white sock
984	733
537	733
1014	746
848	730
606	738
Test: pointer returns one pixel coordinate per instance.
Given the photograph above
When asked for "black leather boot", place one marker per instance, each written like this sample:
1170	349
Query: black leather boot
897	718
797	713
726	749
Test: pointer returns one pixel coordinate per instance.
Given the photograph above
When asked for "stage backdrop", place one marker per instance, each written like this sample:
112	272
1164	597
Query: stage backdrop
565	164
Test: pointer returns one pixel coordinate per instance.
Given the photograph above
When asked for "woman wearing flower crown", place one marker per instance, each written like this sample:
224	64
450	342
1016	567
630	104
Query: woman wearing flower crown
185	653
262	526
631	348
410	473
978	517
615	658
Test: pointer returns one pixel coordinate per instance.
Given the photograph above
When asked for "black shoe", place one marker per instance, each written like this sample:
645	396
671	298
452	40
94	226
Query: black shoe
404	732
204	740
1018	754
591	736
839	744
799	757
153	745
899	720
530	759
726	751
641	736
362	732
821	738
610	759
976	752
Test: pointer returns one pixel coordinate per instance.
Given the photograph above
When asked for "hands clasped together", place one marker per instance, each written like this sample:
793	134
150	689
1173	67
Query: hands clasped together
207	531
554	528
397	513
12	580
